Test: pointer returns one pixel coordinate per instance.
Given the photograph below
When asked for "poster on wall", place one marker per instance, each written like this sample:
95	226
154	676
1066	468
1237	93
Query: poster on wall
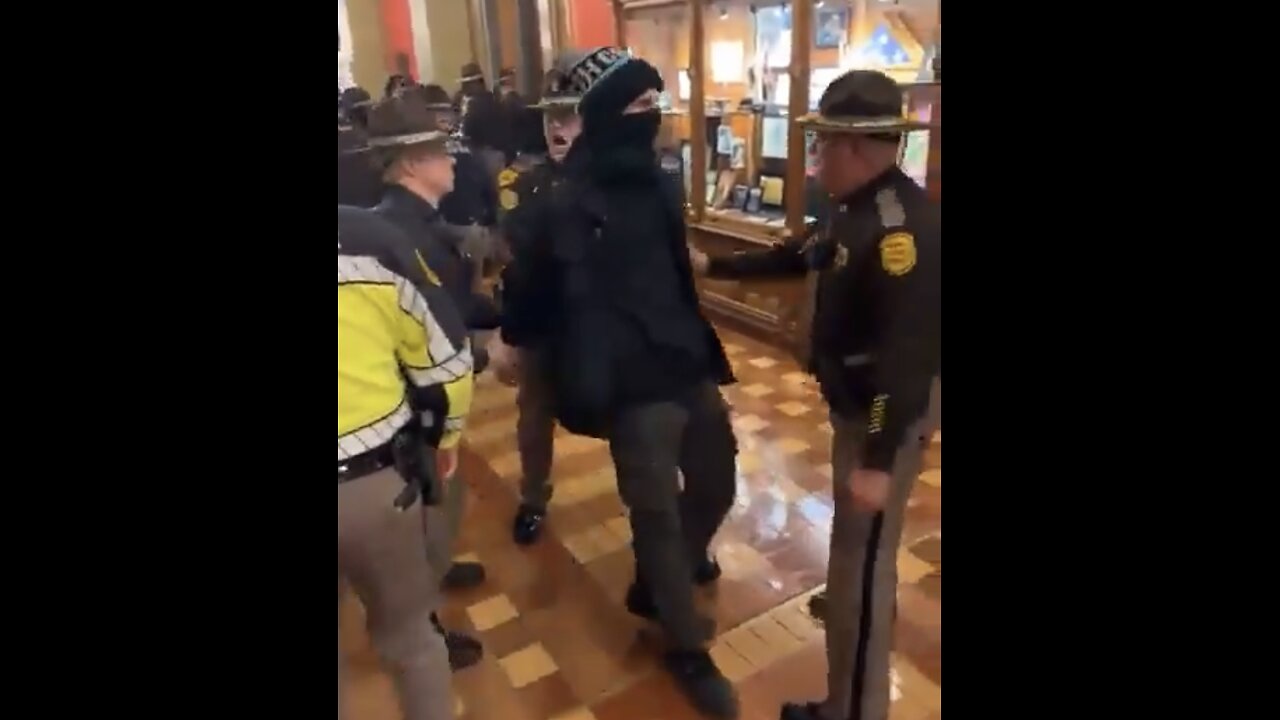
829	27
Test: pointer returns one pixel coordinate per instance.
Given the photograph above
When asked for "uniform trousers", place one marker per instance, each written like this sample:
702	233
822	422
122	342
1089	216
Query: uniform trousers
535	432
672	527
862	576
380	554
441	523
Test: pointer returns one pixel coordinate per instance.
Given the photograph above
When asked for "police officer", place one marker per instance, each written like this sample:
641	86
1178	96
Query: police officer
358	181
603	286
524	189
877	345
402	352
418	170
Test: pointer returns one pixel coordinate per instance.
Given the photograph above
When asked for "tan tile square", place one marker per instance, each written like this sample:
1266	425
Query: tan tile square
917	688
620	527
796	620
826	471
527	666
459	707
793	408
467	558
731	349
750	423
795	378
582	546
606	541
489	431
734	666
752	647
764	363
791	446
489	614
748	462
826	428
757	390
787	491
932	477
937	437
911	568
778	638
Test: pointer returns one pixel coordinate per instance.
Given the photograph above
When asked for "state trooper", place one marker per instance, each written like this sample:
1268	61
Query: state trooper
877	346
524	191
404	382
418	171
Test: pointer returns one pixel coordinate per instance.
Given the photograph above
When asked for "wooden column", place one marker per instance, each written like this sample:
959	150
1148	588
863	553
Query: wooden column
802	34
619	24
698	110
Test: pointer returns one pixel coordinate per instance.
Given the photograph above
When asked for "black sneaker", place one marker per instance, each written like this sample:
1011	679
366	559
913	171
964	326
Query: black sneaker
464	650
528	524
463	576
796	711
707	572
701	681
818	607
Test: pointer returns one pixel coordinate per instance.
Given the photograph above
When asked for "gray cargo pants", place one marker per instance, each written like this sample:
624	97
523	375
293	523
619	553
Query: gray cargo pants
535	432
862	576
652	445
380	551
441	524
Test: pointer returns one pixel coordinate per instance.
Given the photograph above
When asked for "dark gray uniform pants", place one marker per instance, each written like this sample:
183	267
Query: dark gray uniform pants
535	433
862	576
672	528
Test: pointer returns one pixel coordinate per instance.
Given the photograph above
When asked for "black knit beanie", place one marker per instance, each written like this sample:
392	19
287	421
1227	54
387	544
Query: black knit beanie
608	80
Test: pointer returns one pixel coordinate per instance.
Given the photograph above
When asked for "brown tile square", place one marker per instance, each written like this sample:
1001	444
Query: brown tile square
547	697
931	584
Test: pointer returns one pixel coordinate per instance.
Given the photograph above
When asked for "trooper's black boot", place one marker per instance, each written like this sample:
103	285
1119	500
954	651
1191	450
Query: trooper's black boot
800	711
463	576
464	650
701	681
707	572
528	525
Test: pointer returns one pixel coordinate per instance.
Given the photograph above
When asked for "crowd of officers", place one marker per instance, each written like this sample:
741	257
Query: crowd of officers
598	324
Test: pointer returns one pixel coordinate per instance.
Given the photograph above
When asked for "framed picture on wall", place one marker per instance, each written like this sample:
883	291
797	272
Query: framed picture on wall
829	26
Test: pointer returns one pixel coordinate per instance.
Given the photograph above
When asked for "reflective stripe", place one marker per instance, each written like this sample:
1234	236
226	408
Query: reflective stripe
449	363
373	436
454	424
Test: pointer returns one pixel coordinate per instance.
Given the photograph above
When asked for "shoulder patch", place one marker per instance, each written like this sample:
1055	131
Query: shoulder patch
507	177
508	199
898	253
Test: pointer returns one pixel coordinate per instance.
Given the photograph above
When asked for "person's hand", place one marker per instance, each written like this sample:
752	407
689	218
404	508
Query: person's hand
504	359
869	488
699	260
447	463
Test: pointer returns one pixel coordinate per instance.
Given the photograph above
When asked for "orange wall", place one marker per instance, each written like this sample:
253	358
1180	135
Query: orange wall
591	23
397	34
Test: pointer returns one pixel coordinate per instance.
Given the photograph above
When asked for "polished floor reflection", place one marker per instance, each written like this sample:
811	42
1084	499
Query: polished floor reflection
559	644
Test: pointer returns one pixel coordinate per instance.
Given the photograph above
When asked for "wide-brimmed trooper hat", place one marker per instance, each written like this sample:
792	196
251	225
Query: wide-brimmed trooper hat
556	91
470	71
397	124
862	102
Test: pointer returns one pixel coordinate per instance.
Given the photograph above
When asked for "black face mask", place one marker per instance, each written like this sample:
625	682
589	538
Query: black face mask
622	146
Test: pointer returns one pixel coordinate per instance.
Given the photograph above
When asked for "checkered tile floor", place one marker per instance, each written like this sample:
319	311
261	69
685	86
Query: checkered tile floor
559	644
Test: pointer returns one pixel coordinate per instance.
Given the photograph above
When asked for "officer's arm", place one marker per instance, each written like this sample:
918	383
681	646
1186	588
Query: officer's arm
433	349
782	260
527	282
902	358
